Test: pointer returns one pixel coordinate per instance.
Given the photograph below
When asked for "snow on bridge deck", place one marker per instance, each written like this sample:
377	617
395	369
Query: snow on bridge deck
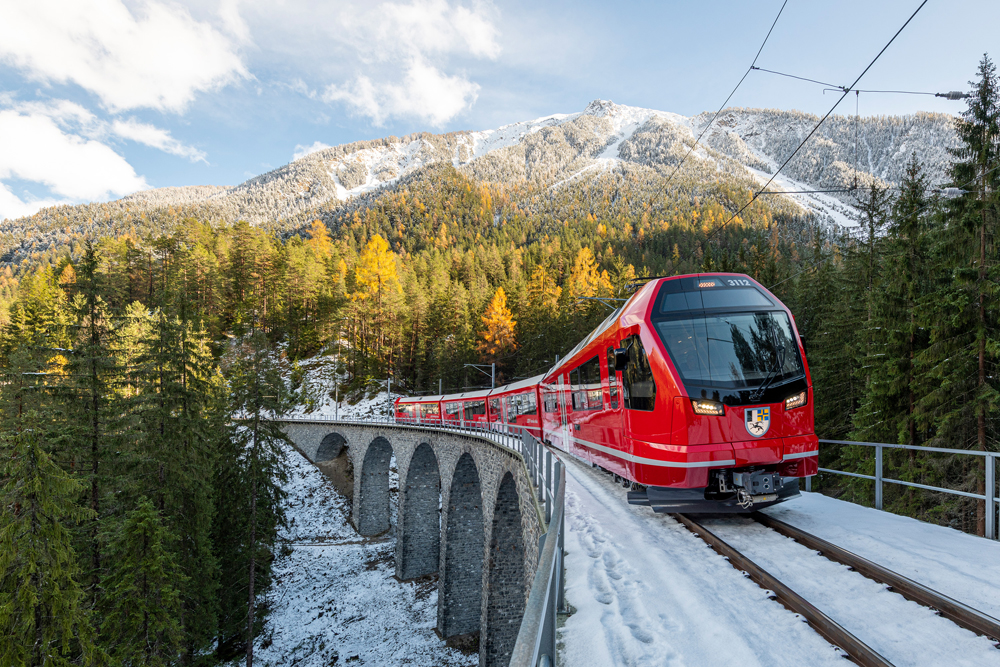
648	592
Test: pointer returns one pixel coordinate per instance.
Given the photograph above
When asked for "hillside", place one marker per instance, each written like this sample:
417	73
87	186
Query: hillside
742	148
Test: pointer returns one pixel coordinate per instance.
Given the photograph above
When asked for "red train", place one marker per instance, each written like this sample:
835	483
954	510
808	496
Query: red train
696	391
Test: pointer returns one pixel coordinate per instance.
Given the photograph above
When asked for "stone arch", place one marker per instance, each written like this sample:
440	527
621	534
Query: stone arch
462	579
373	510
331	447
505	599
421	503
333	459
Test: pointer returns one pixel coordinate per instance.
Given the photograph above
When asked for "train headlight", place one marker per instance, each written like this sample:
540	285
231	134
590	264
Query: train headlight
796	400
704	406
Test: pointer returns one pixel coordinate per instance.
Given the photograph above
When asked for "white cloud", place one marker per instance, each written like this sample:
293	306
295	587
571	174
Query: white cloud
302	151
155	137
425	93
72	167
391	31
407	38
76	119
13	207
156	56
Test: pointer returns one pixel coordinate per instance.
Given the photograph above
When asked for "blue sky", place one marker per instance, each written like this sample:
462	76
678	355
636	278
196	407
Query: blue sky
100	98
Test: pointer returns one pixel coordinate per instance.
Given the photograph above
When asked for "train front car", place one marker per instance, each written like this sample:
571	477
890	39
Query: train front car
733	429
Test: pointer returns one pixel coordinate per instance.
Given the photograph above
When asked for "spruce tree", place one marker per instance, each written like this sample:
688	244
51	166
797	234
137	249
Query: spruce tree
961	358
93	414
251	471
180	418
42	619
887	412
141	608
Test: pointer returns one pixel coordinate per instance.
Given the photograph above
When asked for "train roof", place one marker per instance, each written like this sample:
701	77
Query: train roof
421	399
466	396
522	384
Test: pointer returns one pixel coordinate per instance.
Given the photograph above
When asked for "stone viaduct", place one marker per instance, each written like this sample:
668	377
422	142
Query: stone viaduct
466	511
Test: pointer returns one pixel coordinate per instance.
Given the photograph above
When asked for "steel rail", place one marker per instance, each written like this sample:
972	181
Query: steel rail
829	629
955	611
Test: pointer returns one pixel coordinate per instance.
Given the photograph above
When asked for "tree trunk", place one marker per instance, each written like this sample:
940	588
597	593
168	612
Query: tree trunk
980	408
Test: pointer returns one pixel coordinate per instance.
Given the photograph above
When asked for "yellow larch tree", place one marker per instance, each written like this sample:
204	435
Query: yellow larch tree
320	241
543	292
499	336
585	280
377	279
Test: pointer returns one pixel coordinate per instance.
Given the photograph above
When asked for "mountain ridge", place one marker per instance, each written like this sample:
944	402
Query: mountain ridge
550	151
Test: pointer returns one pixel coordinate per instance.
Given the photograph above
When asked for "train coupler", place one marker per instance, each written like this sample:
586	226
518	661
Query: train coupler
751	487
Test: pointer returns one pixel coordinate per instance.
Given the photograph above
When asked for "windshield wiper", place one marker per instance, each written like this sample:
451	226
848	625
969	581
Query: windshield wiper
779	353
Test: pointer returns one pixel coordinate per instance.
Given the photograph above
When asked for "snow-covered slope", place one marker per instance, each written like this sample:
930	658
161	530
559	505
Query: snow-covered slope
335	600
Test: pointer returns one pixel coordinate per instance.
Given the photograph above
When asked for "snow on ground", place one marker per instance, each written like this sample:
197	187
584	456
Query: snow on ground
648	592
317	403
903	632
961	566
335	594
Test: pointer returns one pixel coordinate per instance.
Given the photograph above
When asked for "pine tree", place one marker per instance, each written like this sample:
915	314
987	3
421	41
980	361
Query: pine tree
42	619
141	608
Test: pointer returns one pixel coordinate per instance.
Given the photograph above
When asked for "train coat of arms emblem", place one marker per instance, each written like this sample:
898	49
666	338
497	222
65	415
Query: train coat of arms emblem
757	421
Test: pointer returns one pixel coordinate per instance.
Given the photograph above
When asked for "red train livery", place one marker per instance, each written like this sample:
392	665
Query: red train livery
696	391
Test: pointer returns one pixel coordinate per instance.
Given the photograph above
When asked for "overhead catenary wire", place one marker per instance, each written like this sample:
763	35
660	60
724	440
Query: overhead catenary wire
817	126
833	86
742	79
800	78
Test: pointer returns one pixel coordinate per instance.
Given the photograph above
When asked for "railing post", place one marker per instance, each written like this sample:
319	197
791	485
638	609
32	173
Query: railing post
548	487
878	477
809	483
991	511
561	548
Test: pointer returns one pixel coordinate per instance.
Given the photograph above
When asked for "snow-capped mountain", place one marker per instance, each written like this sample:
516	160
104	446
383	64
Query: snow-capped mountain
554	150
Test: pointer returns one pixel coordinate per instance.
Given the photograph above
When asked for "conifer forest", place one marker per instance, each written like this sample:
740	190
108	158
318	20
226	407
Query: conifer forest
141	477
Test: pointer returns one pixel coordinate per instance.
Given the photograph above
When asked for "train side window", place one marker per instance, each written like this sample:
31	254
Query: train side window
612	378
637	379
551	403
591	394
495	409
474	408
576	396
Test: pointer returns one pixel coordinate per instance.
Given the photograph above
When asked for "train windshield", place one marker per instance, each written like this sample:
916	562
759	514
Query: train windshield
732	350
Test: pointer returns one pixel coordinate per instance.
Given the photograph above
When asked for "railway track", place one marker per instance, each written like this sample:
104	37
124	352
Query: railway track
959	613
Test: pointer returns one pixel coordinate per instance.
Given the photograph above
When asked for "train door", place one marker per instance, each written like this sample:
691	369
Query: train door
564	434
613	420
638	393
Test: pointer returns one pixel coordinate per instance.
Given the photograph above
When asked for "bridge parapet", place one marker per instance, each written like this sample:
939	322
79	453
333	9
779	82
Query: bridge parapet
466	510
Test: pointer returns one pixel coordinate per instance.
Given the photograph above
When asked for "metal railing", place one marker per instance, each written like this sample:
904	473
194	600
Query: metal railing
536	639
879	478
